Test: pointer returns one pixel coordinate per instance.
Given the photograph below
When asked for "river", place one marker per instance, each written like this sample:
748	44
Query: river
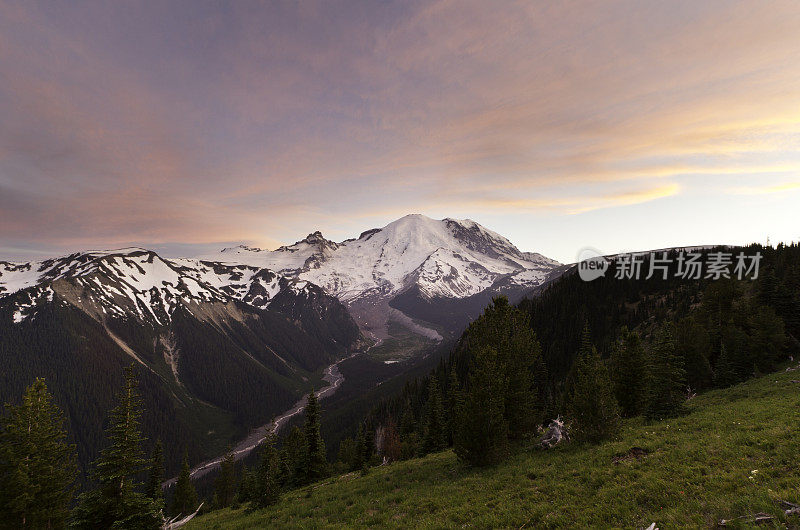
332	376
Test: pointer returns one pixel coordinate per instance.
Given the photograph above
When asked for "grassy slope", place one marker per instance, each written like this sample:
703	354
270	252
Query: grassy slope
700	469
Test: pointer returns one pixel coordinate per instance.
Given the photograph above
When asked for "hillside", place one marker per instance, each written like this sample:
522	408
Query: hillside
734	453
218	349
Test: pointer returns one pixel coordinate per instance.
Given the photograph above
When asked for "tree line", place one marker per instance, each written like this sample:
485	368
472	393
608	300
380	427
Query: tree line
609	349
39	473
632	350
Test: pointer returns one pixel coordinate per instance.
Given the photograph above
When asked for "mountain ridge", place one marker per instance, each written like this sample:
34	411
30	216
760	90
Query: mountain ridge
396	253
413	264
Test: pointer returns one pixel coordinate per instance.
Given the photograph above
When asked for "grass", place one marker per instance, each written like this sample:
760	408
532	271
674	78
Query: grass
734	453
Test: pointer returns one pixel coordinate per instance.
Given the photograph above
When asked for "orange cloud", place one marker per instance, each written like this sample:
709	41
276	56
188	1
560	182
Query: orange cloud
245	123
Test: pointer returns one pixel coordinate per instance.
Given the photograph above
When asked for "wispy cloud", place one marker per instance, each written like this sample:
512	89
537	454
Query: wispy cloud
190	121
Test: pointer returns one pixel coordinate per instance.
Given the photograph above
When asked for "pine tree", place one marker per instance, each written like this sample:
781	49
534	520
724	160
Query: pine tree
360	461
348	454
115	501
767	337
294	455
316	463
246	486
37	466
368	447
435	437
184	501
408	422
266	489
482	434
506	329
156	476
724	373
628	373
391	441
694	345
592	410
454	403
667	381
225	483
544	398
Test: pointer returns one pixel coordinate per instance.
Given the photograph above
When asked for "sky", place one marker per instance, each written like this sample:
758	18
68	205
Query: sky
186	127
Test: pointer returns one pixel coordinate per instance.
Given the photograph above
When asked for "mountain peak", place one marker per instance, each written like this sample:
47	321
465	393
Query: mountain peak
241	248
314	237
414	248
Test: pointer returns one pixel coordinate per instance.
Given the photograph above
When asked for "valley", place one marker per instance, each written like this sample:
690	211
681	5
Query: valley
239	336
333	377
393	264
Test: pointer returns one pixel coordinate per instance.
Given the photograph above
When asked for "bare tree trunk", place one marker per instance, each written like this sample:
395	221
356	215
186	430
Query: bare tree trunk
173	523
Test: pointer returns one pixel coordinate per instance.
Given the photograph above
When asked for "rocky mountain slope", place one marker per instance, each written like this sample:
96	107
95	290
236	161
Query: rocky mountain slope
223	343
414	264
218	348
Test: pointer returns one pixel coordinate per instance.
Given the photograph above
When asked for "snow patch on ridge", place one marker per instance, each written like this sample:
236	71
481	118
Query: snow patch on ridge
446	258
140	283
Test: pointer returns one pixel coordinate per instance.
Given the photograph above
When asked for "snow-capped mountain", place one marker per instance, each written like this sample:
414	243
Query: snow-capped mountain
218	348
445	258
415	264
138	282
233	338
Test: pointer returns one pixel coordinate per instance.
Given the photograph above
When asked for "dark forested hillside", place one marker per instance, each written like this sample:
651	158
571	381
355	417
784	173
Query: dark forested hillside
559	313
207	376
722	331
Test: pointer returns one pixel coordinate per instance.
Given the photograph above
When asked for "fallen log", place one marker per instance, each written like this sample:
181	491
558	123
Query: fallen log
756	518
790	508
174	523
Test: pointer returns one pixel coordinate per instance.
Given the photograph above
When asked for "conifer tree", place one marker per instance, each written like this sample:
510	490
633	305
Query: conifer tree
391	441
370	446
454	402
724	373
505	328
407	420
366	446
266	488
592	410
348	454
541	384
184	501
294	456
316	463
156	476
37	466
694	345
667	381
225	483
435	437
767	336
246	486
115	501
628	371
482	434
360	460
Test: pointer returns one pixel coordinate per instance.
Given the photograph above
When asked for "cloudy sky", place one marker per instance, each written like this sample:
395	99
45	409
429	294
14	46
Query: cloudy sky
188	126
